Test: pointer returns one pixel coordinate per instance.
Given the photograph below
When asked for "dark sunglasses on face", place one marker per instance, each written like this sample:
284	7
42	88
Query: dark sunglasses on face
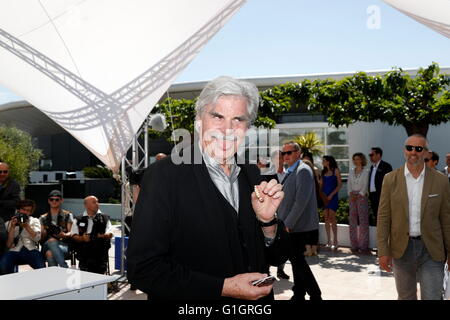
417	148
426	160
3	171
371	154
288	152
54	199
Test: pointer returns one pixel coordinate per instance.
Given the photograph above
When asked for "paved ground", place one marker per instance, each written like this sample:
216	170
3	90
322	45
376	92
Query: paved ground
340	274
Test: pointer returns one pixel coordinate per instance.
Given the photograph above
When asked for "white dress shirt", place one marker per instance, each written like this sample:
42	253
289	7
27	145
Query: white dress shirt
358	182
74	230
281	175
227	185
372	177
415	187
25	239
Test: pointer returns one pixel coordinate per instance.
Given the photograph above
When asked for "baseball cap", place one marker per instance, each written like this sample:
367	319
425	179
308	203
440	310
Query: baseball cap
55	193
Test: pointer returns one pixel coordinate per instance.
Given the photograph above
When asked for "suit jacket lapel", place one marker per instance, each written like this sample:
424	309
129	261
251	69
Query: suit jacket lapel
403	192
427	183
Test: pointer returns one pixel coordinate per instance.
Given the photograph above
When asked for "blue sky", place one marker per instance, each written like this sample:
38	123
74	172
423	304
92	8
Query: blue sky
286	37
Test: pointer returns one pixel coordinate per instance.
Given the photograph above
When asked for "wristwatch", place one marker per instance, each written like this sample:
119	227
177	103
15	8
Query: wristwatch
270	223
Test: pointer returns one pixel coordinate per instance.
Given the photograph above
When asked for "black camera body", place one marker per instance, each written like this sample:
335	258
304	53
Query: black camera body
53	230
21	217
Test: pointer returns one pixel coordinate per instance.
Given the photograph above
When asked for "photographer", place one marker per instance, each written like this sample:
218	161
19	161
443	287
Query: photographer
55	231
92	234
24	232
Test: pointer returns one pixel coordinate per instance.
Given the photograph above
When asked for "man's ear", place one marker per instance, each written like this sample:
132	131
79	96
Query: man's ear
198	124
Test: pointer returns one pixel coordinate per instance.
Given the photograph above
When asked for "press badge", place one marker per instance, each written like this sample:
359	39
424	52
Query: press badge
82	224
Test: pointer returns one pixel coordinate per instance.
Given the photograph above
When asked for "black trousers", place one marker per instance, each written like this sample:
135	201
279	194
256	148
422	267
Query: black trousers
304	281
93	256
374	198
94	264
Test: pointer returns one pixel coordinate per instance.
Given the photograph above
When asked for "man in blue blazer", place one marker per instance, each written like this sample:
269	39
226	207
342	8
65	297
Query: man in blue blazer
298	210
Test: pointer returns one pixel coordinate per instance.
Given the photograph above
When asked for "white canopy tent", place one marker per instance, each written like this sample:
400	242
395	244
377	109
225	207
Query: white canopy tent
98	67
433	13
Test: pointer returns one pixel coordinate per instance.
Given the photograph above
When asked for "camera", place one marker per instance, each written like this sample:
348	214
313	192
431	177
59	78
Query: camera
53	230
21	217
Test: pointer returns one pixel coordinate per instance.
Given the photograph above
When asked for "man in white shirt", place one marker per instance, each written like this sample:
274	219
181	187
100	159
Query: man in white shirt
24	232
446	170
413	232
92	233
378	170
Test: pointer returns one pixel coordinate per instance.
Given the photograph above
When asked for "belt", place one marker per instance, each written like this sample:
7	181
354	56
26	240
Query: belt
416	238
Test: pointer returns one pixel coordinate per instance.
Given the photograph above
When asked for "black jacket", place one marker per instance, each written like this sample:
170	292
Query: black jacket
187	239
382	169
9	195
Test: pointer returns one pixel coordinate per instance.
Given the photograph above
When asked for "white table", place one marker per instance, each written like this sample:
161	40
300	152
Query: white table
54	283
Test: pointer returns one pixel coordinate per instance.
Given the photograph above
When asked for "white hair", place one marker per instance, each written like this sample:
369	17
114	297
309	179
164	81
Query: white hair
227	86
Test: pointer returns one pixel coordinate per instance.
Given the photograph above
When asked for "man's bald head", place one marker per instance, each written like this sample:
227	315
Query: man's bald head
160	156
4	172
91	204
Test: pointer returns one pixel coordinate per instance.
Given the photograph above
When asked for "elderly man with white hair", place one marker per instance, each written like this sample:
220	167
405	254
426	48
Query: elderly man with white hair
207	230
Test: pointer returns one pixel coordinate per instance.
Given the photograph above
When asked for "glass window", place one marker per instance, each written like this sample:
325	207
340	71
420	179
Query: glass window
338	137
338	152
343	166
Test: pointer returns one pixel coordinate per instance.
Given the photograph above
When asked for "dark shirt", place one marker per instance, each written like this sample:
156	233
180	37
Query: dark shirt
9	195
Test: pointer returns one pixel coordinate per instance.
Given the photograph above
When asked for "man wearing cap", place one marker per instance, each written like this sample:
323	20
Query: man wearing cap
55	231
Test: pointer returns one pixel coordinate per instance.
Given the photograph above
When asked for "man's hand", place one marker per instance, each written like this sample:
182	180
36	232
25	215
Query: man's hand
14	222
86	237
104	235
386	263
270	196
240	287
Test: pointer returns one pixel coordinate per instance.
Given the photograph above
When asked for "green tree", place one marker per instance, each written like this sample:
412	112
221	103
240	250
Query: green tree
180	113
395	98
16	148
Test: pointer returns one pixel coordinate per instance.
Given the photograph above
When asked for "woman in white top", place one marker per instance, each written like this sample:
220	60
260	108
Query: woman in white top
357	187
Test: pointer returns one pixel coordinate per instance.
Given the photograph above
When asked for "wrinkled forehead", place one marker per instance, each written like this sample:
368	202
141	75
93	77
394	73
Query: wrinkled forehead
228	103
416	141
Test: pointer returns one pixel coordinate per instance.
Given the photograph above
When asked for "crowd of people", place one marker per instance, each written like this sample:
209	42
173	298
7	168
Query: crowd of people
211	229
55	237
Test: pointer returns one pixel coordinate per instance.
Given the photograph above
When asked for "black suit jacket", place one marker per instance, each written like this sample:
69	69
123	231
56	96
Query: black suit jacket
382	169
186	238
9	195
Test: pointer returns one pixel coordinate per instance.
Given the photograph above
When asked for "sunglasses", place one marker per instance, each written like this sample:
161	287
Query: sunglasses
288	152
54	199
3	171
417	148
426	160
